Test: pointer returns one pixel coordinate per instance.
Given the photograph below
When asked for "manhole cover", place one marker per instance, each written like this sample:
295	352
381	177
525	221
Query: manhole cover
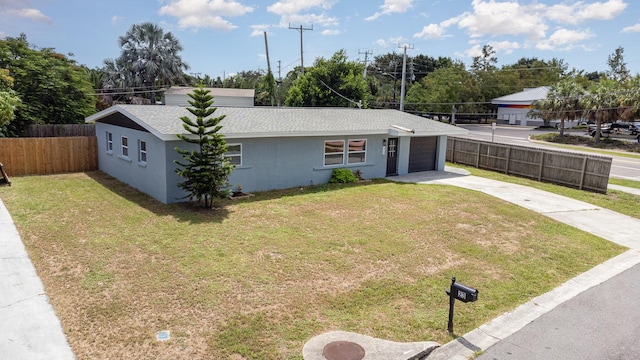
343	350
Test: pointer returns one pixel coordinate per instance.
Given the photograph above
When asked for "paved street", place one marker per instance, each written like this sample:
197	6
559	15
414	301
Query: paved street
601	323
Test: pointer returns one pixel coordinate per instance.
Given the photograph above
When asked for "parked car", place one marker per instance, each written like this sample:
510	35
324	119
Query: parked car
620	127
605	129
634	129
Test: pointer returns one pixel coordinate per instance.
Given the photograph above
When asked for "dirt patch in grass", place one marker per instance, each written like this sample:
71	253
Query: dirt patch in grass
259	277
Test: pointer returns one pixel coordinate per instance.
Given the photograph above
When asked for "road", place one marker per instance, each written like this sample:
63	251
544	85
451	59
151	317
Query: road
621	167
601	323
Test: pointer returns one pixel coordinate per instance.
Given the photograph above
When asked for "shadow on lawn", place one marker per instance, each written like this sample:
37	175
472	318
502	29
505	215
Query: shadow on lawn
192	212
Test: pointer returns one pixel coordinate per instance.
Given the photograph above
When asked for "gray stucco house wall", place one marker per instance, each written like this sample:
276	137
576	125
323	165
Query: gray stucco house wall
279	147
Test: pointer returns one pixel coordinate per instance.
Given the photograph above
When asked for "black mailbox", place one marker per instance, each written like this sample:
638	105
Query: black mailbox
464	293
459	292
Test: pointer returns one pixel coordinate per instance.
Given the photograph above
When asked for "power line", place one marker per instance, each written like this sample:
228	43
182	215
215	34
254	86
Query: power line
358	103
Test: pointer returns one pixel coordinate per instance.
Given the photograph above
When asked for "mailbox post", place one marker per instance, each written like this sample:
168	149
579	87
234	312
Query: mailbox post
459	292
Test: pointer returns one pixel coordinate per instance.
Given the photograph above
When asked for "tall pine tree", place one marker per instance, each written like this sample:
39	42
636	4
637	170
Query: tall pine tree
206	169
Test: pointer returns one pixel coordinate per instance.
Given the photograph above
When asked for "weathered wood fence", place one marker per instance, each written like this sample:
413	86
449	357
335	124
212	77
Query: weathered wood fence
60	130
48	155
582	171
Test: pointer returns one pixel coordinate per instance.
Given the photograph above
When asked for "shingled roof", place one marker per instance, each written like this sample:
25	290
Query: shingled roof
250	122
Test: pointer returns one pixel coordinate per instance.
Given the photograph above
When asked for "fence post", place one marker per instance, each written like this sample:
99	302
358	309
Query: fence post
541	166
478	156
506	171
453	150
584	172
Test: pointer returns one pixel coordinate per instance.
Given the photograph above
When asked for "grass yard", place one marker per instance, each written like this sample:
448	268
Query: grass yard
259	277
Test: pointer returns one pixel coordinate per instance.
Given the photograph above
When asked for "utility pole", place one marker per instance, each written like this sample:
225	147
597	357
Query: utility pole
279	80
404	70
301	29
266	46
366	55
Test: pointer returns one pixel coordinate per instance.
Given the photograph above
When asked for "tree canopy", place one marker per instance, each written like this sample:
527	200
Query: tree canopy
335	82
52	88
149	57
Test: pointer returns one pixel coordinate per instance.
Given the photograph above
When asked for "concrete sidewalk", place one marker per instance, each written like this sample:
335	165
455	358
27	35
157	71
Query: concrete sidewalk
29	329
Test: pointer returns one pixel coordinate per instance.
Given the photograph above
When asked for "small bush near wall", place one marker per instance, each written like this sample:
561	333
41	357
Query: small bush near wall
342	176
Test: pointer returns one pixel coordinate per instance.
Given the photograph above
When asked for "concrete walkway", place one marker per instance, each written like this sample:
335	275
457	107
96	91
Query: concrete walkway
29	327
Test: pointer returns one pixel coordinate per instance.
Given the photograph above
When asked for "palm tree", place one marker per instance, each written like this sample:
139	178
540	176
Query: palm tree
602	104
562	103
630	100
567	94
150	57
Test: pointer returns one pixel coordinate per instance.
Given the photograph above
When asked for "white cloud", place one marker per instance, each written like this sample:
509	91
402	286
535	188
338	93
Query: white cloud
331	32
431	31
500	47
205	13
504	47
22	9
394	42
390	7
305	13
632	28
116	19
579	12
31	14
259	29
289	7
564	39
502	18
382	43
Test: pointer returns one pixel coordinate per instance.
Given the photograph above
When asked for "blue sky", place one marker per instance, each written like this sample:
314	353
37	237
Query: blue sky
222	37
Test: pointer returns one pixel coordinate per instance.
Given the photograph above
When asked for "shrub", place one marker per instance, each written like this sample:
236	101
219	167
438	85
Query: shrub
342	176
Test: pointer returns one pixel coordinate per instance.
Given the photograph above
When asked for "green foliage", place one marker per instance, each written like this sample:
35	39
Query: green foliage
562	102
149	58
52	89
617	66
342	176
266	90
8	100
335	82
206	169
440	89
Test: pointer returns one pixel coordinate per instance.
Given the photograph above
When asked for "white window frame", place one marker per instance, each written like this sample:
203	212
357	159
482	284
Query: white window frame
234	155
109	142
364	152
142	153
333	154
124	149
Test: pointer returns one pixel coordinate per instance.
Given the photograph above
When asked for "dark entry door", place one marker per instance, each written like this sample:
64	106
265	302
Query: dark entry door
422	154
392	157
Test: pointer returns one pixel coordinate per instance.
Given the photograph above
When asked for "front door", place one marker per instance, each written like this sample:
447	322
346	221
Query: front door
392	157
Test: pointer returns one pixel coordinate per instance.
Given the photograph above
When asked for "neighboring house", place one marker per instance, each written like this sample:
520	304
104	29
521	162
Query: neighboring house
272	147
178	95
513	109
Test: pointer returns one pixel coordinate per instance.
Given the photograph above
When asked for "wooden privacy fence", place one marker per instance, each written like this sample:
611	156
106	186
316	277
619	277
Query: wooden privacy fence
61	130
50	155
581	171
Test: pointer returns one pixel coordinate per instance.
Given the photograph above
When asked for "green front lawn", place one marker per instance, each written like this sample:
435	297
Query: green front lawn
259	277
